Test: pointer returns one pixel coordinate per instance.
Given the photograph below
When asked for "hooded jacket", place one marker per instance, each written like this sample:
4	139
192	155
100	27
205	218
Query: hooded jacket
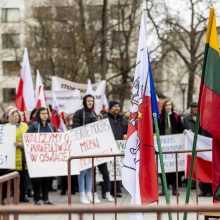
85	115
21	128
38	127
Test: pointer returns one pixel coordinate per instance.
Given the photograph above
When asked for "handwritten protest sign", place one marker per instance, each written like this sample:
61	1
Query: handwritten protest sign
168	142
93	139
47	154
173	142
121	144
68	101
7	148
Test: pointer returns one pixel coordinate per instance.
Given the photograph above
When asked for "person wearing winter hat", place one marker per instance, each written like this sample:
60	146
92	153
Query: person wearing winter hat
119	127
14	118
84	116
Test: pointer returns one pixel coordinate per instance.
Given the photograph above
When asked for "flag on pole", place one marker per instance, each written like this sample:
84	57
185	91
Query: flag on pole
139	175
56	115
209	99
40	98
99	95
24	99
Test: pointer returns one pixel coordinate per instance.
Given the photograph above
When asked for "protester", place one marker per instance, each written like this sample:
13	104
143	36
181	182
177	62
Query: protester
14	118
82	117
189	122
119	127
40	184
170	123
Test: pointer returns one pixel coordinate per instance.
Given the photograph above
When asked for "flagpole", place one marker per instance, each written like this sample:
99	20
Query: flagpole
164	181
192	162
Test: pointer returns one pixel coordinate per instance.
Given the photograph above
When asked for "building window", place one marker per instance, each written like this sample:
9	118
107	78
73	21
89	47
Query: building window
43	13
118	65
118	38
9	94
11	68
10	14
95	12
118	11
96	65
64	13
10	40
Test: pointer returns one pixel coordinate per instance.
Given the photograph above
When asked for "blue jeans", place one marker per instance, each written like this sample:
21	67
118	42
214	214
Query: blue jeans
81	180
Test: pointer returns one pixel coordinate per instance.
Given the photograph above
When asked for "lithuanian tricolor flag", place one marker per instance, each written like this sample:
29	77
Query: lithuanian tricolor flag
209	99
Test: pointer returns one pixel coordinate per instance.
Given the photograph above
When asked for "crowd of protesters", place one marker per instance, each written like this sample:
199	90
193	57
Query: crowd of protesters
170	123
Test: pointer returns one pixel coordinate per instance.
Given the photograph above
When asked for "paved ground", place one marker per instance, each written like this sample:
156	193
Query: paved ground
56	198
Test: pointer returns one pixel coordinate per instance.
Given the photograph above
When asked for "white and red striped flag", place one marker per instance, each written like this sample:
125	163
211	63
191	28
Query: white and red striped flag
203	162
40	97
56	118
24	99
139	175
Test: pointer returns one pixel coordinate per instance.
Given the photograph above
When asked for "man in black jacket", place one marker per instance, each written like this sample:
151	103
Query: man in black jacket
119	127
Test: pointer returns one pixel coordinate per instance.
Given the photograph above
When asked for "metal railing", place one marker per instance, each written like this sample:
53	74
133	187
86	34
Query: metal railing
110	209
7	179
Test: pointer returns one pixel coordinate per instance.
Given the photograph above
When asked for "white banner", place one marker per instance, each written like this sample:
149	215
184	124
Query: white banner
168	142
93	139
7	148
60	84
68	101
121	144
47	153
175	142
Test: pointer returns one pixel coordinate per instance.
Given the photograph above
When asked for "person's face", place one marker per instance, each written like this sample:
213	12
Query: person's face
89	102
115	110
44	115
168	107
194	110
15	117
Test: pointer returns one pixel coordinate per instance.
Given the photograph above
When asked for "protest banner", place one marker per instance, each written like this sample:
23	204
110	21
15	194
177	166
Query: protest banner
93	139
60	84
168	142
68	101
175	142
121	144
47	154
7	148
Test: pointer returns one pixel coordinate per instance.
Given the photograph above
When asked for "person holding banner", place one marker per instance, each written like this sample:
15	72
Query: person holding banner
82	117
14	118
41	125
170	123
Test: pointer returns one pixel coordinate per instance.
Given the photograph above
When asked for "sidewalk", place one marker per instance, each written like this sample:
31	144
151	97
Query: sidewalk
56	198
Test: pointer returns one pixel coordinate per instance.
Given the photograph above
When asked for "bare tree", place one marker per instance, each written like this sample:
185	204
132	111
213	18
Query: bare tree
80	41
182	38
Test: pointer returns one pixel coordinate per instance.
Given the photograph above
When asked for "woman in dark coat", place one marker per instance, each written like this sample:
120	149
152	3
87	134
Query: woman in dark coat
170	123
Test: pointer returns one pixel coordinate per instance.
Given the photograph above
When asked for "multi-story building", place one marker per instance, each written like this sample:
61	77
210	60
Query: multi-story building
16	18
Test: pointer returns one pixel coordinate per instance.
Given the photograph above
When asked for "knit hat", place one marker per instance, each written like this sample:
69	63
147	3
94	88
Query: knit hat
112	103
11	112
193	104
